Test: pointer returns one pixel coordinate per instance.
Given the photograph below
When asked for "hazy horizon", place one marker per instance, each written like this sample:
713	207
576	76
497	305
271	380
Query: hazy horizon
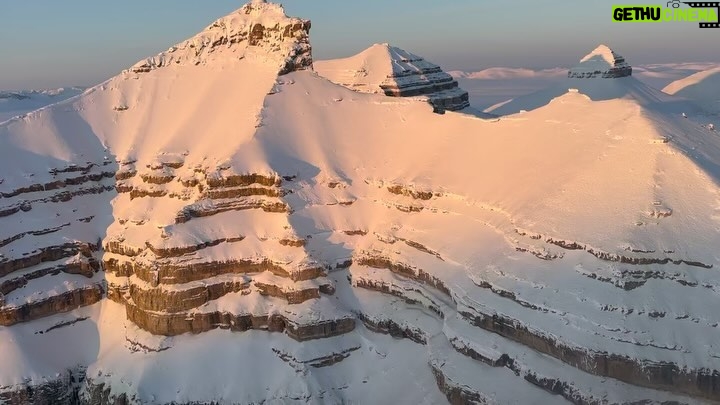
85	42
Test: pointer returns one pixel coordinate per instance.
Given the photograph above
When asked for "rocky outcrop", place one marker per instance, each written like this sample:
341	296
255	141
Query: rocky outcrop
196	322
381	262
68	301
173	272
392	328
208	208
85	267
457	394
407	191
45	254
62	390
645	373
178	300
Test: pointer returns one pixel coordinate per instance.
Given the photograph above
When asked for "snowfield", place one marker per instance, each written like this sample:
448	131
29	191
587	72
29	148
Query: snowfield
14	103
702	87
222	223
494	85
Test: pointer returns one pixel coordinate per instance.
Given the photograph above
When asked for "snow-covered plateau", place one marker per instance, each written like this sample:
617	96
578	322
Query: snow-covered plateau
221	223
15	103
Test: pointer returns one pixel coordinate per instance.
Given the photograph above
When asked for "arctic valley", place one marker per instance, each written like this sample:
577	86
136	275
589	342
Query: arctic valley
231	222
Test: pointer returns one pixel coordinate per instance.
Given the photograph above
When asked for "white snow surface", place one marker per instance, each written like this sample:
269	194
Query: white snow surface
703	87
614	169
14	103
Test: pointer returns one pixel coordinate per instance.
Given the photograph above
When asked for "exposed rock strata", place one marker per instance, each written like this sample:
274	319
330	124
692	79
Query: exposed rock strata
197	322
64	302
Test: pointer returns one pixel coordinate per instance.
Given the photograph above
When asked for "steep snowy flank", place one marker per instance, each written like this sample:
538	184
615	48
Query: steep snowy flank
703	87
389	70
230	231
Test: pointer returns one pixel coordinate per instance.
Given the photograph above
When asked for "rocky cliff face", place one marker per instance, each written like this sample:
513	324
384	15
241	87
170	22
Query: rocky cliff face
394	72
601	63
230	227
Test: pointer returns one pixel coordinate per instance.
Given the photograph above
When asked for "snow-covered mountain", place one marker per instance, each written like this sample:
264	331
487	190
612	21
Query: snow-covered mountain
385	69
14	103
493	85
220	223
702	87
603	63
600	75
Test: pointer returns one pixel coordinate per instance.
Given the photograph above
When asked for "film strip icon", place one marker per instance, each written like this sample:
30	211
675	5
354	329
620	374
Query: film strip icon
706	4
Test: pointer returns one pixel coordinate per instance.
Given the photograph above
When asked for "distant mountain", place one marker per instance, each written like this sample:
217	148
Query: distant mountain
500	73
14	103
702	87
601	63
220	223
600	75
490	86
662	71
389	70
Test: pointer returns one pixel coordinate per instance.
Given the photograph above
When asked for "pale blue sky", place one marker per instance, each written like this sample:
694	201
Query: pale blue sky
52	43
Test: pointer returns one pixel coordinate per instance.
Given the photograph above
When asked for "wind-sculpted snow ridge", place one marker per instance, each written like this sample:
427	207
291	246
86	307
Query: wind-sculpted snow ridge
220	233
702	87
394	72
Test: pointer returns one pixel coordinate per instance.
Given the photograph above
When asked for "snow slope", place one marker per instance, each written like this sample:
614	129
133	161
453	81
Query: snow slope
14	103
212	230
703	87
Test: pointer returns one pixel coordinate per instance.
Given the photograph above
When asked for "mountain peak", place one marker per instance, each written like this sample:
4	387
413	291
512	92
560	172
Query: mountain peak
601	52
602	62
258	28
